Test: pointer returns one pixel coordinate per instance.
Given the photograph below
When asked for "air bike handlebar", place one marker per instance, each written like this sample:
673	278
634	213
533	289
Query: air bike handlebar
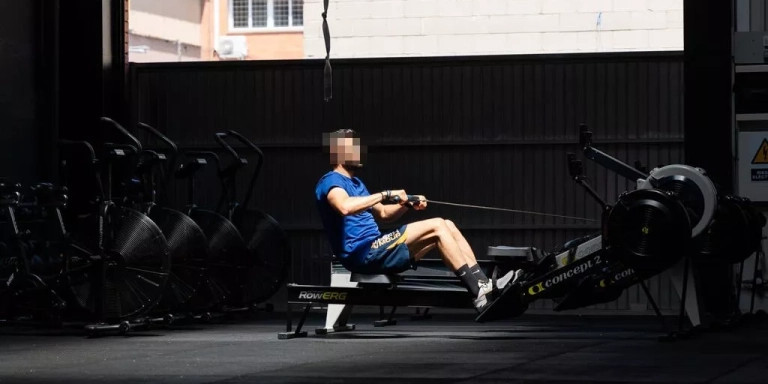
242	139
257	168
221	139
174	150
123	132
154	132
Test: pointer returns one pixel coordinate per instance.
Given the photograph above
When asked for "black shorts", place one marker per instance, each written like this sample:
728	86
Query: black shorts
388	254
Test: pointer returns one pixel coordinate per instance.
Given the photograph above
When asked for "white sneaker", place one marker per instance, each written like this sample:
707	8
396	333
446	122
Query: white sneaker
509	278
482	300
480	303
485	287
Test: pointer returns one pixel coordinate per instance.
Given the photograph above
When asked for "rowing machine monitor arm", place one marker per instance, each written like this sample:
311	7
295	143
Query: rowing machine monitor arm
602	158
576	170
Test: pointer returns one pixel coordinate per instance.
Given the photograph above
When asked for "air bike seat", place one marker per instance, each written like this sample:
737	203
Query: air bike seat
431	285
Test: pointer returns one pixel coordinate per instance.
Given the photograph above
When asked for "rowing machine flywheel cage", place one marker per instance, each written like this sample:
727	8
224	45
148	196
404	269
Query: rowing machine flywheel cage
734	234
648	230
757	222
692	187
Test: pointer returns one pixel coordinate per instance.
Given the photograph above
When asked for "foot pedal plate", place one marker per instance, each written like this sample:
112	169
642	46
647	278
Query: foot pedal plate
507	304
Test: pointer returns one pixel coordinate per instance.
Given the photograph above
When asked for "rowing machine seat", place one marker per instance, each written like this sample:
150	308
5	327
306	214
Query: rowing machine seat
362	278
371	279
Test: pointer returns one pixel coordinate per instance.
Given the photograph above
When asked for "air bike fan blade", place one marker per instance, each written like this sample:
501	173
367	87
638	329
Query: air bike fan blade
135	270
188	250
267	266
138	264
227	252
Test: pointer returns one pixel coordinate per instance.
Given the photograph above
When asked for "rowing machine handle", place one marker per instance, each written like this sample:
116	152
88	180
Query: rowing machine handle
396	200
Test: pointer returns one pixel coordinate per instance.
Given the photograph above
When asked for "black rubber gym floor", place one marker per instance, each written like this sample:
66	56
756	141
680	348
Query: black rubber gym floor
447	348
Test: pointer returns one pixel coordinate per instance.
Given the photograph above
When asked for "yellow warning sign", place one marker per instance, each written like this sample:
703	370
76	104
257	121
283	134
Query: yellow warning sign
761	157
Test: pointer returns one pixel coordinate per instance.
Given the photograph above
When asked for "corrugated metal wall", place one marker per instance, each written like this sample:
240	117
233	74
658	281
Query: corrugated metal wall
751	15
481	130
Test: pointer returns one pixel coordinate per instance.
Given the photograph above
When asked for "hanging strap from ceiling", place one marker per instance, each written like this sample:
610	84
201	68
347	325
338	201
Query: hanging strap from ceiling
327	71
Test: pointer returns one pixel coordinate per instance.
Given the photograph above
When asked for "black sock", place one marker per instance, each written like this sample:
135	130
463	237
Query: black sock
469	279
479	273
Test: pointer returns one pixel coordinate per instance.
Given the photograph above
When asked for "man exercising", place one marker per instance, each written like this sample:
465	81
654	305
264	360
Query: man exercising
349	214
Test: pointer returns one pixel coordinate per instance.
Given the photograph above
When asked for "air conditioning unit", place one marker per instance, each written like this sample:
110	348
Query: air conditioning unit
232	47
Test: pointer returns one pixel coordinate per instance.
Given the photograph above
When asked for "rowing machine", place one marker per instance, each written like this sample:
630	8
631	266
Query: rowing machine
649	230
674	214
725	229
431	285
584	272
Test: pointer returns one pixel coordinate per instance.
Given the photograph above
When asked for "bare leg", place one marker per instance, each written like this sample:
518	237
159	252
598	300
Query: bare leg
435	232
422	236
418	256
469	256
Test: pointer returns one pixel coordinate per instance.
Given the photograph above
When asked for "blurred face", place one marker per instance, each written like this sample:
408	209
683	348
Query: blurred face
346	151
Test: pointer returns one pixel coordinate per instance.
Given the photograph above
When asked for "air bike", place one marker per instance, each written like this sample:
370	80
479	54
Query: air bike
674	218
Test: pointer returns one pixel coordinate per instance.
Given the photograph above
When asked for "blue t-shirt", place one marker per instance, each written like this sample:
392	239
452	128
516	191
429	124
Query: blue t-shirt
350	236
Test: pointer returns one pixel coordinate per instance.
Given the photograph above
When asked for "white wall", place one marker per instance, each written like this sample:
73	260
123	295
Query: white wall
159	50
166	19
380	28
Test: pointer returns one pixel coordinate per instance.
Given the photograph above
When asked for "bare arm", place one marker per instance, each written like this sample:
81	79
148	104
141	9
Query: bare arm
346	205
390	213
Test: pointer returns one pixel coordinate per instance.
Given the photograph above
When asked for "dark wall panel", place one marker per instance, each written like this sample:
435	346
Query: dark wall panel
708	59
488	130
18	93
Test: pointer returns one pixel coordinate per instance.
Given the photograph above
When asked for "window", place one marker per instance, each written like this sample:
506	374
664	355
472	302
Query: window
266	14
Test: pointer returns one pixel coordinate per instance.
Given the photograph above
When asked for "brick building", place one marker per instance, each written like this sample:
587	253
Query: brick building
194	30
